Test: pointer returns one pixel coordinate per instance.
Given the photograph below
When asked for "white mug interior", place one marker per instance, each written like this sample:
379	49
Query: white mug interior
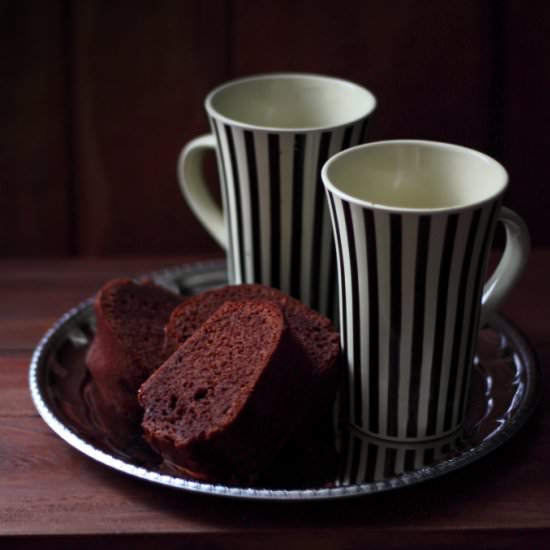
290	101
415	175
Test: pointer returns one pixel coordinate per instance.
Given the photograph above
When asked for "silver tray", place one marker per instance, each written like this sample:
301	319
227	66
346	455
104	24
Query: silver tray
505	391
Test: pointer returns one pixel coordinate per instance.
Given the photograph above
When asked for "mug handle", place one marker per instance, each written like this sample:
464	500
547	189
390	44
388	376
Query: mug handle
510	266
194	189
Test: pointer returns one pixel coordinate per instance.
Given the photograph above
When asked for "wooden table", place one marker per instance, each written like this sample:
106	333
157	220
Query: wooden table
51	496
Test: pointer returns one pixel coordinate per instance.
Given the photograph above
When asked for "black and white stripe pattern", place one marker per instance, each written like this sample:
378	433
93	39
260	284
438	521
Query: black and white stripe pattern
365	459
276	216
410	291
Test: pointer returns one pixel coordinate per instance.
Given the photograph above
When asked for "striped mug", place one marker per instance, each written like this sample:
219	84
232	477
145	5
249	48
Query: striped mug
413	224
272	134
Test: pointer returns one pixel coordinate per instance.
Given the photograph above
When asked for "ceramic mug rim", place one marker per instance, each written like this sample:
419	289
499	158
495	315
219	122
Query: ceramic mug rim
215	113
500	171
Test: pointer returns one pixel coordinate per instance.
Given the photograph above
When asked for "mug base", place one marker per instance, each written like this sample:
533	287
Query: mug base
450	434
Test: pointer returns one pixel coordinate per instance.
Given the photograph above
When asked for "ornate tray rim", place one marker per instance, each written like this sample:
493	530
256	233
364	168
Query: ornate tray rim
84	310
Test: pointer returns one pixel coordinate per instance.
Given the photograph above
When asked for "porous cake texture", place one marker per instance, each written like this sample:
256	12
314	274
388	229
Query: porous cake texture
227	400
128	344
314	331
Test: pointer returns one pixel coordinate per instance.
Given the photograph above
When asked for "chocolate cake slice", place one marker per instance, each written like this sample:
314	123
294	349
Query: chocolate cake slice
128	344
314	331
226	401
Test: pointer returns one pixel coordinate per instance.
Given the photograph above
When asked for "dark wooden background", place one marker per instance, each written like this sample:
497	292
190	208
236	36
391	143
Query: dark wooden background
98	97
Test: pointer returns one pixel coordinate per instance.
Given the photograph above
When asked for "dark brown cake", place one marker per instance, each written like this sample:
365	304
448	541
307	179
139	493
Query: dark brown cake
314	331
128	344
228	399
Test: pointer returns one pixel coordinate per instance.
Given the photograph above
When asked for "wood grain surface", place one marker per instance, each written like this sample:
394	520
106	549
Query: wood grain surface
51	496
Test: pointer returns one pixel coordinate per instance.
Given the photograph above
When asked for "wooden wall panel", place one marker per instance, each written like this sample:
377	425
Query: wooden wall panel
98	97
141	71
524	140
427	62
34	164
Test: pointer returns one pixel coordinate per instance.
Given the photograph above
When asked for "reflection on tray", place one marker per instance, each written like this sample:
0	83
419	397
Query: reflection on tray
365	459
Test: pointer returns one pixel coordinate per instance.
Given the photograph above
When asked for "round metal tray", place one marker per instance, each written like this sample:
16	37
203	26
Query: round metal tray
505	390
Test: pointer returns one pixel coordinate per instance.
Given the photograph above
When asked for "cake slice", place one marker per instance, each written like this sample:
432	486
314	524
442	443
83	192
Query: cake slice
315	332
226	401
128	344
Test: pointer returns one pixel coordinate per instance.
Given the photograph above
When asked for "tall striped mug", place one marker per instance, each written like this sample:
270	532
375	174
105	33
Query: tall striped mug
413	224
272	134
